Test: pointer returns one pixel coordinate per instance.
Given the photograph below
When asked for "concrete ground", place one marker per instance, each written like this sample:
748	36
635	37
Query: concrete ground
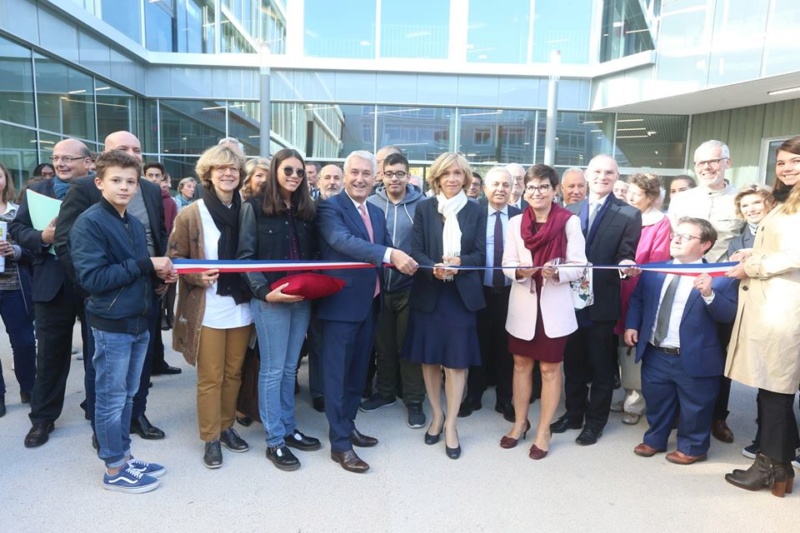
410	487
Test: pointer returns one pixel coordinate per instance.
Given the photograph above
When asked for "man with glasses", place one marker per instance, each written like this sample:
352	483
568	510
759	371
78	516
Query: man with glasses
672	323
714	200
612	229
56	302
396	377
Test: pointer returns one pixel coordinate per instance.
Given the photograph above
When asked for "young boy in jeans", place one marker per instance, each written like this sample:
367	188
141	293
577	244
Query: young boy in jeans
109	249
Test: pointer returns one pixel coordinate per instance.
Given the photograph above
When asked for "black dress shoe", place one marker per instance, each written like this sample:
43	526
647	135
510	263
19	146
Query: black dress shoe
244	420
142	427
95	443
467	407
231	440
212	457
350	461
507	410
302	442
361	440
25	397
589	436
166	370
283	458
318	404
564	423
452	453
39	434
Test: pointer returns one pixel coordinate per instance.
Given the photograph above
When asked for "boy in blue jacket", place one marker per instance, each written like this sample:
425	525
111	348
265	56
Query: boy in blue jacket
109	250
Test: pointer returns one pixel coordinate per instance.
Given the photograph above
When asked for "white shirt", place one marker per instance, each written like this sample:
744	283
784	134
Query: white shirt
221	312
685	288
487	274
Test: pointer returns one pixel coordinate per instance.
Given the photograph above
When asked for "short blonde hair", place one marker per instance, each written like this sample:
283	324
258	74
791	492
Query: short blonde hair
442	163
218	156
758	190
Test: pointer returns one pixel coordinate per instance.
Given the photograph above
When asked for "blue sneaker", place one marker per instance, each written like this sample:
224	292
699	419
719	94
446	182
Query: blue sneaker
130	480
148	469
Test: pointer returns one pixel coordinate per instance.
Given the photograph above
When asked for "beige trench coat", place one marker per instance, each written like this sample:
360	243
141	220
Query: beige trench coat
186	242
765	347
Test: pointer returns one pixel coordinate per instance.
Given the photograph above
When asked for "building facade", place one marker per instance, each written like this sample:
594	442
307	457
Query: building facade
644	80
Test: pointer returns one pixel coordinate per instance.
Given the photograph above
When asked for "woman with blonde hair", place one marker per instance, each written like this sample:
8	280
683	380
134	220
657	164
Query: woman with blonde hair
213	320
449	231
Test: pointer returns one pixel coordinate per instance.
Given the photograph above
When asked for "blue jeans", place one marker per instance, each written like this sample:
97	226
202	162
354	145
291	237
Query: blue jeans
19	327
281	328
118	360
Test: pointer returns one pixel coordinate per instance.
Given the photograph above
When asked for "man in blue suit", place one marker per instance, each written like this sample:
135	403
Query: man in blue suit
672	320
351	229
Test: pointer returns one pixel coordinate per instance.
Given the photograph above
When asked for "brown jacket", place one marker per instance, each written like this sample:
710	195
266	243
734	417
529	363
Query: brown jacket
186	242
765	347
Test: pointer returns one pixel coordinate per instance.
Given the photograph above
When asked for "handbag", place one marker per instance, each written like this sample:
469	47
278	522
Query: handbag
582	293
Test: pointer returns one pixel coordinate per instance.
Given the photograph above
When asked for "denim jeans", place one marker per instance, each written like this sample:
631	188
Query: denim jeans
19	327
281	328
118	360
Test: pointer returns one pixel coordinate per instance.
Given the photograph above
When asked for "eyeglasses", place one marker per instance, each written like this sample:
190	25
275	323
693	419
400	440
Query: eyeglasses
530	189
66	159
398	174
683	237
289	171
710	162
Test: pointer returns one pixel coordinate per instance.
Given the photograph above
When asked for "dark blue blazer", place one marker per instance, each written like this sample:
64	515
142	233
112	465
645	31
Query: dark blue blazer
701	351
426	249
343	237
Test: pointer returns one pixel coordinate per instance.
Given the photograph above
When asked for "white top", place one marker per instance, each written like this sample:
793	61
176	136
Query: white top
221	311
684	290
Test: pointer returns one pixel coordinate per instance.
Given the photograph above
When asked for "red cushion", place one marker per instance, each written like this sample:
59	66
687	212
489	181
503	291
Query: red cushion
309	285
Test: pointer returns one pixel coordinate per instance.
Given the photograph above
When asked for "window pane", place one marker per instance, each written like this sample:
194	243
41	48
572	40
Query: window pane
421	132
498	31
497	135
244	119
158	25
331	31
415	28
114	110
18	153
124	16
734	58
179	167
564	26
579	137
653	141
16	84
191	126
780	54
195	22
66	99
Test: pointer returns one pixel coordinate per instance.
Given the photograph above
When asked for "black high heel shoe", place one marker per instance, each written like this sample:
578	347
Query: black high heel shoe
452	453
430	440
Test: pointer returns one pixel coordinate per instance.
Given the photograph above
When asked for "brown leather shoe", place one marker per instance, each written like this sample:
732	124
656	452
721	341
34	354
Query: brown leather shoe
350	461
361	440
39	434
645	450
680	458
721	431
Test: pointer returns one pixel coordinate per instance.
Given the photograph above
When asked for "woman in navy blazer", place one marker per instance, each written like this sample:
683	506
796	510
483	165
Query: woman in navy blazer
449	231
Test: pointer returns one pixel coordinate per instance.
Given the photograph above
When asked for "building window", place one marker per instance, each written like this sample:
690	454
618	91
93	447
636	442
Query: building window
331	31
482	136
415	28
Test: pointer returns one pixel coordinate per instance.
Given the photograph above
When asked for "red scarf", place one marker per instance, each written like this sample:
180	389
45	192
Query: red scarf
551	239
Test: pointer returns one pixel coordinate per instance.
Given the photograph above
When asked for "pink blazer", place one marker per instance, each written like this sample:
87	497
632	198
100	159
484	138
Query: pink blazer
558	313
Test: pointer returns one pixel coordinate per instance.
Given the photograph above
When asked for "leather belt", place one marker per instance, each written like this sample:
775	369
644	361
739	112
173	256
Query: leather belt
665	349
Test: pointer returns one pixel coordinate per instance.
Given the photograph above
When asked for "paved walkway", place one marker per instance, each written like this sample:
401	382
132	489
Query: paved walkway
411	487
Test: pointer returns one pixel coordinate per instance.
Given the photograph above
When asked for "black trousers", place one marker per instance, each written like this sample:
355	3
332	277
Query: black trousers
724	332
589	373
54	323
777	425
497	363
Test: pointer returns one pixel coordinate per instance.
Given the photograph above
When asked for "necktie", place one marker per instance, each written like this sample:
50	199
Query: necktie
362	209
665	310
497	275
592	214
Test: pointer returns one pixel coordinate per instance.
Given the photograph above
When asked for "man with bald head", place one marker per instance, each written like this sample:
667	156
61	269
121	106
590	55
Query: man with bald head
612	229
148	207
56	302
573	186
517	173
330	181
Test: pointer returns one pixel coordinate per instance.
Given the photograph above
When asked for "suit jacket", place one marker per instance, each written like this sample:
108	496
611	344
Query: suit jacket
343	237
83	194
558	313
614	237
702	354
48	272
426	249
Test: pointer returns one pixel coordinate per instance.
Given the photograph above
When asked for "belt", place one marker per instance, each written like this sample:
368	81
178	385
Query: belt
665	349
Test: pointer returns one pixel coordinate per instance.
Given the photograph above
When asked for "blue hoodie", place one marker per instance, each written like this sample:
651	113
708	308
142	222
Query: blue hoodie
400	223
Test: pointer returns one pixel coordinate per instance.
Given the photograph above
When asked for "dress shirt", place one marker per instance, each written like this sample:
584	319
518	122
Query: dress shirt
387	255
490	222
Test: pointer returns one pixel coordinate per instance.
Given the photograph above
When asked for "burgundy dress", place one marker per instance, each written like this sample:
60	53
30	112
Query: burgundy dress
540	347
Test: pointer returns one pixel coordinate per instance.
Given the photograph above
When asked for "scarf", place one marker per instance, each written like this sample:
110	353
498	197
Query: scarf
551	239
451	236
227	221
60	187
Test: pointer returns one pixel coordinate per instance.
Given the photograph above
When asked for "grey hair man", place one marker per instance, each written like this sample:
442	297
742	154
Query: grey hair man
517	173
330	181
573	186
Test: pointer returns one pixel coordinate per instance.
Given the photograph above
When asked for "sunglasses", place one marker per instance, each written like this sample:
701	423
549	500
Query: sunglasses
289	171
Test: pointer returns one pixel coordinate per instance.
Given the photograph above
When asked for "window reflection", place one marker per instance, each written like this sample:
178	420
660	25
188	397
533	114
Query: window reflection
244	121
66	99
564	26
579	137
114	109
16	84
19	153
331	31
158	16
124	16
654	141
423	133
191	126
415	28
498	31
497	135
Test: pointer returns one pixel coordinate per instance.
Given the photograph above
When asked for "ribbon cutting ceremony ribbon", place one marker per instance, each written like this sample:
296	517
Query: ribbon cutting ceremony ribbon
195	266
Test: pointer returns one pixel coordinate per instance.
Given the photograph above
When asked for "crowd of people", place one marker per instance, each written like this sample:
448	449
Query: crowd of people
519	279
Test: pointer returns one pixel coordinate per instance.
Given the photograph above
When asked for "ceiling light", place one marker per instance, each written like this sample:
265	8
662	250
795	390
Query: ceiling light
783	91
631	120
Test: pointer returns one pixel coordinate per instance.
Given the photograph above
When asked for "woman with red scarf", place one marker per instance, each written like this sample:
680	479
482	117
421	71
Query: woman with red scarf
540	308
